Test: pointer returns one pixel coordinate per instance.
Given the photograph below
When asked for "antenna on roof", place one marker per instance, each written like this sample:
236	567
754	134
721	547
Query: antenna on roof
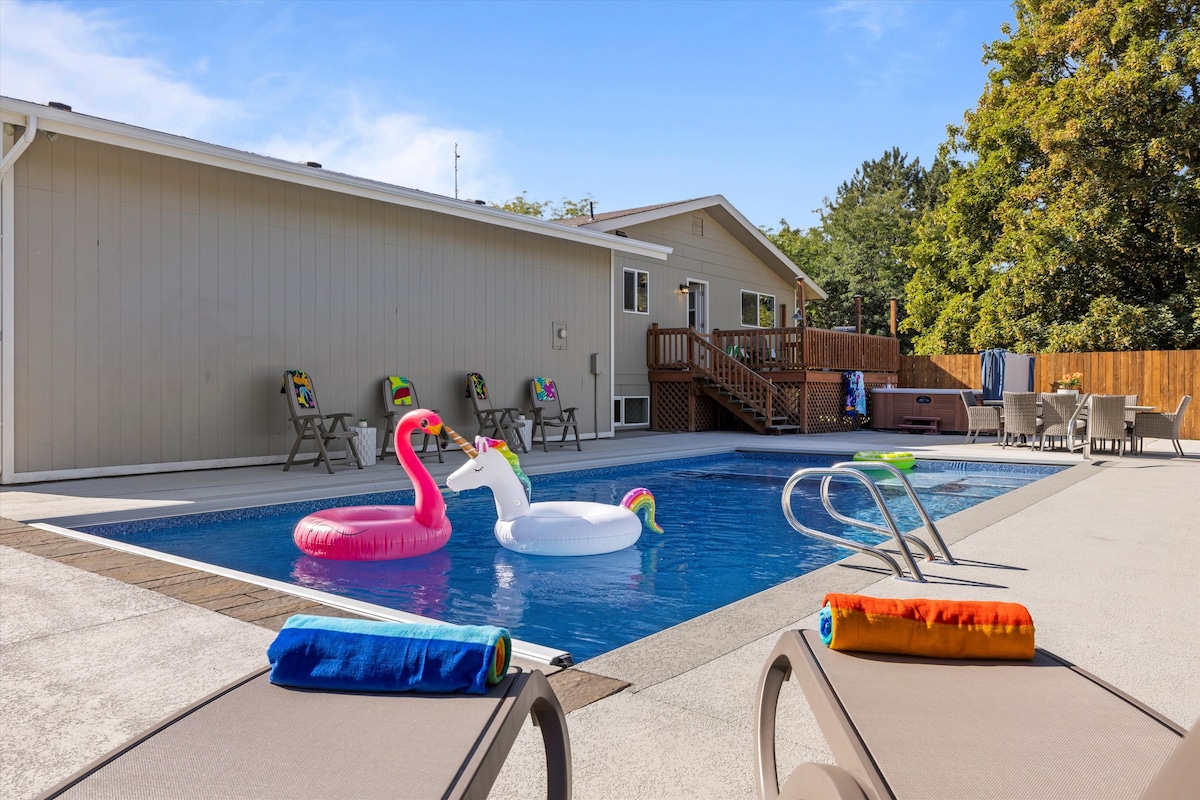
456	158
592	209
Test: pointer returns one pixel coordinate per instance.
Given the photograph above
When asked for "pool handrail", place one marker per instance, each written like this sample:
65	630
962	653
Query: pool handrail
912	495
873	490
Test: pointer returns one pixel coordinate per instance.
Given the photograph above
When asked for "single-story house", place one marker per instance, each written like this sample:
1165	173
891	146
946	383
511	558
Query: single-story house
153	289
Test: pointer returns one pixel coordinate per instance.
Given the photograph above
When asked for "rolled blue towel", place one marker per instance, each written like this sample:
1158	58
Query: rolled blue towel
360	655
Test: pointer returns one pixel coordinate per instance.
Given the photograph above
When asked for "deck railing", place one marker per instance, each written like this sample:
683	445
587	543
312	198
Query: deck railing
769	349
684	349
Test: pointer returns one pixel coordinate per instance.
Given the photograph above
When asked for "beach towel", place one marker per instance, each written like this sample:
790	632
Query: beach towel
333	653
929	628
856	394
475	383
401	391
544	388
302	385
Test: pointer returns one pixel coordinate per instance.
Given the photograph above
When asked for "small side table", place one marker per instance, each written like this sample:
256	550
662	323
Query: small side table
525	430
366	445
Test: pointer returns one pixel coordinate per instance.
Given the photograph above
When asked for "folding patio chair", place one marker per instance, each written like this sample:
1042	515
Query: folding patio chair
494	421
908	727
400	397
253	739
548	410
310	423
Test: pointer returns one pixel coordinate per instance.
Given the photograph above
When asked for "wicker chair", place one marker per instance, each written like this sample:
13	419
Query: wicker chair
1020	416
1106	420
1157	425
1061	417
981	418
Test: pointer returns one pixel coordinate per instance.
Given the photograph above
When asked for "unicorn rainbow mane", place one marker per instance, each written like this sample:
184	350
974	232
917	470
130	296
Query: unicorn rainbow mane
501	447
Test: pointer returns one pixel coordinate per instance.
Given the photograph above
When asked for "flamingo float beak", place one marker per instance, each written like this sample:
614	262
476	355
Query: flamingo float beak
461	442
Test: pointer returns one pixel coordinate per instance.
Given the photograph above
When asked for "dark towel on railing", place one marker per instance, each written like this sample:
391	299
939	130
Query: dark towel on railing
358	655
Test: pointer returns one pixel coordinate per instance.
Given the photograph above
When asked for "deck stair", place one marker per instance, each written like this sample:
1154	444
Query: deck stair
747	395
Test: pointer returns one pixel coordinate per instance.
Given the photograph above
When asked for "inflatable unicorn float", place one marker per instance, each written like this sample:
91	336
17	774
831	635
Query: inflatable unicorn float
560	528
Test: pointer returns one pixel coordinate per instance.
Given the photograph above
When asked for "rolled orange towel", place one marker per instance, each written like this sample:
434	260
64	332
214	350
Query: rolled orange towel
930	628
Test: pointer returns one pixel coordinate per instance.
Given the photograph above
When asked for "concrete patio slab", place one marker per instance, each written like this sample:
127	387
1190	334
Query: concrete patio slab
1102	555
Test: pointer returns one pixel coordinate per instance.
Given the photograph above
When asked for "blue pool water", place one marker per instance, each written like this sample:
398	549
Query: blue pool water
725	539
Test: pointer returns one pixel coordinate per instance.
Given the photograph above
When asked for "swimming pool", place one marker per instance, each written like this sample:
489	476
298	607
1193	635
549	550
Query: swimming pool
725	539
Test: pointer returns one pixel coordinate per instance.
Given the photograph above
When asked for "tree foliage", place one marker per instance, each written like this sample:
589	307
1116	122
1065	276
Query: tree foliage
1072	216
565	209
860	243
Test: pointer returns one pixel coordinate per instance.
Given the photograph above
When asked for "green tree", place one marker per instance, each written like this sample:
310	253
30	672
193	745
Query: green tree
860	244
1072	215
565	209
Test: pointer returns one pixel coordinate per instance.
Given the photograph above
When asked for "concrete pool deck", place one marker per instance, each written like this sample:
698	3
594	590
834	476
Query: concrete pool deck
1103	555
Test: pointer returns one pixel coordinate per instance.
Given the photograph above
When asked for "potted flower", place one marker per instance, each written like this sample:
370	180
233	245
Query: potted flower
1069	383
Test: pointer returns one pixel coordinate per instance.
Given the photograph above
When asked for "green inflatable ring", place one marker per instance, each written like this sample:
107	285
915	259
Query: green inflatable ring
897	460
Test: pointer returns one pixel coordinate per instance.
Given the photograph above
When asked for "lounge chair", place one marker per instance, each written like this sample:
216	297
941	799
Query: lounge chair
256	740
980	418
494	421
1157	425
310	424
548	410
907	727
400	397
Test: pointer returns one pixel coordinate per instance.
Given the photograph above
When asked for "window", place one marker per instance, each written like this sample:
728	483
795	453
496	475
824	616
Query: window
630	411
637	291
758	310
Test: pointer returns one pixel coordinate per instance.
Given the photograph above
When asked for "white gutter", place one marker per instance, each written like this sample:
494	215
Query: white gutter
8	220
10	158
129	136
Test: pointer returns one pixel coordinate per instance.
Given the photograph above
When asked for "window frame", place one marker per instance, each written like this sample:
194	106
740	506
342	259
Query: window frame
758	296
624	299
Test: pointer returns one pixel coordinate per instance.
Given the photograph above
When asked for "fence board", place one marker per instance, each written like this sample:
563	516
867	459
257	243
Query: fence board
1158	377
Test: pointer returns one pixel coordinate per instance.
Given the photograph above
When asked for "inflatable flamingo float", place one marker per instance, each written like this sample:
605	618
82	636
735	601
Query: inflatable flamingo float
383	533
565	528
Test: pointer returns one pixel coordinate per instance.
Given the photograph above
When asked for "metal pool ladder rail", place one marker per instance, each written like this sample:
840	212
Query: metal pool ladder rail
857	471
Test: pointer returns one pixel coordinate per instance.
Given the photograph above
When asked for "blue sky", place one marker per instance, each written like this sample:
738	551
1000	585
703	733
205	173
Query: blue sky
770	104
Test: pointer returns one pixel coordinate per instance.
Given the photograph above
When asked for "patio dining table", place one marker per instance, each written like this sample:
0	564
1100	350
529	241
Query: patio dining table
1082	414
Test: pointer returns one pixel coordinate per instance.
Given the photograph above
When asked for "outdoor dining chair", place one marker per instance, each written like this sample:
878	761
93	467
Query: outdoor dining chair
1106	421
1159	425
1061	418
1021	416
981	418
399	398
311	425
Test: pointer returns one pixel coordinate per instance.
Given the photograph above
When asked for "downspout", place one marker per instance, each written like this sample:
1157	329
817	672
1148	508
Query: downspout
7	301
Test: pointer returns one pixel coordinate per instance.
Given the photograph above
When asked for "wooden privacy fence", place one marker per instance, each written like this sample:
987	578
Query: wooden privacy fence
1158	377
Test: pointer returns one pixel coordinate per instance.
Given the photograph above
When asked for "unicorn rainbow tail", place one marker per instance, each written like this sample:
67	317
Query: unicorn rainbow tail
639	499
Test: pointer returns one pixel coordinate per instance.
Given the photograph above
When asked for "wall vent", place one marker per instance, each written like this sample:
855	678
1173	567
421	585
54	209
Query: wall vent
697	226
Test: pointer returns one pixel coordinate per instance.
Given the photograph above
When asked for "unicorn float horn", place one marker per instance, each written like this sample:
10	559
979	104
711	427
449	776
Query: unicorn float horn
460	441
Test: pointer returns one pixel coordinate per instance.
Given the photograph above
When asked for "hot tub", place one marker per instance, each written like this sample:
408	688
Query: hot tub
889	407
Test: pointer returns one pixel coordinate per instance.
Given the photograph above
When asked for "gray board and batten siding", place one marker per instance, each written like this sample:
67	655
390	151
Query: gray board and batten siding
716	257
159	300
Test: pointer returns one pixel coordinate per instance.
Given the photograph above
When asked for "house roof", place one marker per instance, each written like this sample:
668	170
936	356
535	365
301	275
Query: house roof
82	126
720	209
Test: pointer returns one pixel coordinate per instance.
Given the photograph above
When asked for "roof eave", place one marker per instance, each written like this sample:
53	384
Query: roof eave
70	123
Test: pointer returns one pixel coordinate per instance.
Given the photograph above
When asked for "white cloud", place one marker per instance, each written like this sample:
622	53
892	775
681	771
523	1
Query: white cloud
873	17
48	52
402	149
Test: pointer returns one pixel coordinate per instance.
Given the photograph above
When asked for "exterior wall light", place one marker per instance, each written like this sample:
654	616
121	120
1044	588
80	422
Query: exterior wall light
683	288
